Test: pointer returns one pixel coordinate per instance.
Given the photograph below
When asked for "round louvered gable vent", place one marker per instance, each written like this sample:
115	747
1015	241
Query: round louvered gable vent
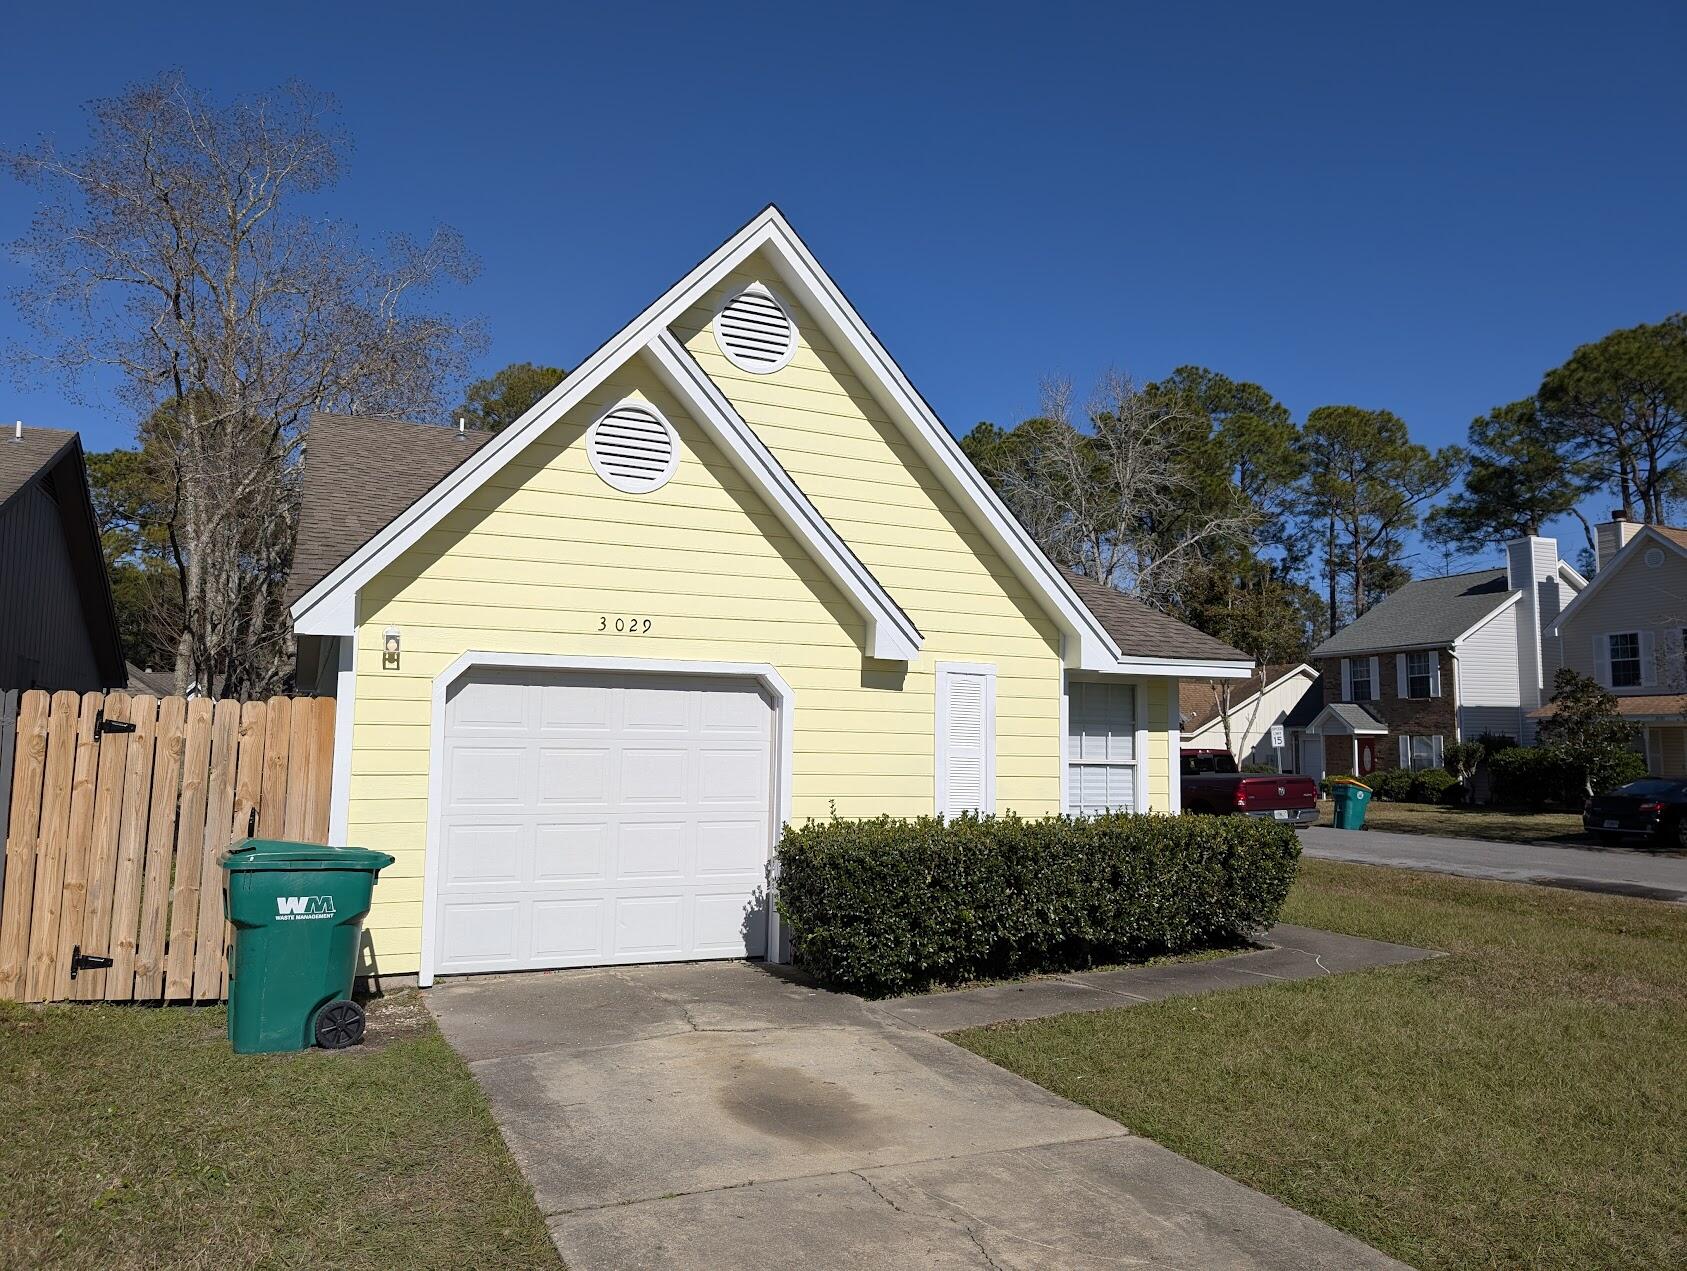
633	448
755	331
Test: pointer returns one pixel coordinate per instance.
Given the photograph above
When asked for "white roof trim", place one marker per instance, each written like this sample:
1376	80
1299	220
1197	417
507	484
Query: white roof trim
891	634
329	607
1646	533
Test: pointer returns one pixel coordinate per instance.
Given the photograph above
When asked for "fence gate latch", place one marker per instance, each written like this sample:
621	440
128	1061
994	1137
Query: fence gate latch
103	725
80	961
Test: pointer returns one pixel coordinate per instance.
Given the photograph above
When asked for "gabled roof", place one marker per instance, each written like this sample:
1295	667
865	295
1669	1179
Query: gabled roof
1348	717
1306	710
53	457
1198	703
1666	536
1425	612
1144	632
327	605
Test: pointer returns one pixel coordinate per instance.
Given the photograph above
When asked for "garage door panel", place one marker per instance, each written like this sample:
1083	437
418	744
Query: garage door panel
575	852
647	851
482	855
592	818
569	929
650	926
488	776
576	707
727	927
482	933
488	704
658	708
653	775
575	775
737	775
732	847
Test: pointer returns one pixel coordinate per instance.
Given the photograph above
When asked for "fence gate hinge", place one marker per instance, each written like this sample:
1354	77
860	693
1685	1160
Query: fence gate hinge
103	725
80	961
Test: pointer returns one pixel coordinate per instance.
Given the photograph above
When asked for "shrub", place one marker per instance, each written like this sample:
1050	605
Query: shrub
1434	785
1533	776
890	906
1393	784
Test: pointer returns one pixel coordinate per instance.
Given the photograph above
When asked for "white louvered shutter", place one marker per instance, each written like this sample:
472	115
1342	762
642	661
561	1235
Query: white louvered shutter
1648	660
966	739
755	331
633	448
1401	683
1376	679
1435	674
1346	680
1602	659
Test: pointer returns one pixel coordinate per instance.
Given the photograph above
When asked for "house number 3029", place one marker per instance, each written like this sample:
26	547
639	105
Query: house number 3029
626	626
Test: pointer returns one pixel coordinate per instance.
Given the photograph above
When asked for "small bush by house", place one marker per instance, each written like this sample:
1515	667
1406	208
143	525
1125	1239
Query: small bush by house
1392	784
891	906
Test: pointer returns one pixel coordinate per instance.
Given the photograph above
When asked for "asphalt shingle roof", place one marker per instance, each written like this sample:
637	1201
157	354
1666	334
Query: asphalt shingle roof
1428	611
1357	716
23	460
360	472
1142	632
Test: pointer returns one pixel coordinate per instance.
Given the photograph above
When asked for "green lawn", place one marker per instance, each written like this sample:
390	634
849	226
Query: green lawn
1505	825
131	1136
1522	1102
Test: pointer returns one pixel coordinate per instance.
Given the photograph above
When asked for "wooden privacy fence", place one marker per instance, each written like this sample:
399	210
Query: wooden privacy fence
119	807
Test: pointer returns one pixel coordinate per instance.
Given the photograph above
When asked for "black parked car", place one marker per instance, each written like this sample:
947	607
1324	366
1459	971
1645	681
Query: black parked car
1649	808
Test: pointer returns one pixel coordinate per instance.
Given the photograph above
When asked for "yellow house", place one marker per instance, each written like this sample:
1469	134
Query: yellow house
731	572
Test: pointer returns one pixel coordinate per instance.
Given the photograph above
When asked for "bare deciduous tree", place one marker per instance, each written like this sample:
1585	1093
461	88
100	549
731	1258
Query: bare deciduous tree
170	251
1116	499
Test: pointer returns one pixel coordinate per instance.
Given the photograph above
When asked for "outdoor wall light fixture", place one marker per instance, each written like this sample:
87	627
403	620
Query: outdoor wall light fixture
389	648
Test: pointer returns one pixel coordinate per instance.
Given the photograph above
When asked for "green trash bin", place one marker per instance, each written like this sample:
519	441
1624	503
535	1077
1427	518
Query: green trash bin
1351	799
297	910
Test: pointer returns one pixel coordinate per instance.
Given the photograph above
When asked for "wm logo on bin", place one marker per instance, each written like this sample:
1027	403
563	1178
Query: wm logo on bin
288	908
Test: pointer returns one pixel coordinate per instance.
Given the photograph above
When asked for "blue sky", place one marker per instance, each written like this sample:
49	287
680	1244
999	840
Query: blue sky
1420	209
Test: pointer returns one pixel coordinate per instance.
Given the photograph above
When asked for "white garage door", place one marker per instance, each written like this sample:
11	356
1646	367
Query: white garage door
595	818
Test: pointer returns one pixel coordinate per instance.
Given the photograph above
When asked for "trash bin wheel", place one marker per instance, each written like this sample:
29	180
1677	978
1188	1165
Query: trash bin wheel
339	1024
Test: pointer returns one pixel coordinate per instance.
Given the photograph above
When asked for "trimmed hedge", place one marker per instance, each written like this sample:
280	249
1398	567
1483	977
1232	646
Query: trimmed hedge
1534	776
893	906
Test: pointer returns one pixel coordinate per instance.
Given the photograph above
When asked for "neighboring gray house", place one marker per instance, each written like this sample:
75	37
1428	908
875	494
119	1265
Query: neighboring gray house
58	627
1440	660
1628	630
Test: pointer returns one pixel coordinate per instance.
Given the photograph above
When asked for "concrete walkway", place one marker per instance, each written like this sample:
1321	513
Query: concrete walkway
1292	953
1622	871
721	1115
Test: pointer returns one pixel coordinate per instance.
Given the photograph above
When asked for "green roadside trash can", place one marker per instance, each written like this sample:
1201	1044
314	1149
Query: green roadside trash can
297	910
1351	799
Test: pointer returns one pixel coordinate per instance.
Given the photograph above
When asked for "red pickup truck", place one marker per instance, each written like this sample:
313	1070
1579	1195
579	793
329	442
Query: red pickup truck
1212	784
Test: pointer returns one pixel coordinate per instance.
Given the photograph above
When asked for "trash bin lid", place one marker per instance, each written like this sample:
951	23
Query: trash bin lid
281	854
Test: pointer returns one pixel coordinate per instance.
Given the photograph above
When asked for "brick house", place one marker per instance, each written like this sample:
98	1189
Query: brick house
1440	660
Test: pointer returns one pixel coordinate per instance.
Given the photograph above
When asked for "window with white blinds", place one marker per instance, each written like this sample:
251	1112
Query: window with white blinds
966	738
1100	748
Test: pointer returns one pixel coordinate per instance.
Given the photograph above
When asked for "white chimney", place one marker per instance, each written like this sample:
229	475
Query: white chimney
1612	536
1531	567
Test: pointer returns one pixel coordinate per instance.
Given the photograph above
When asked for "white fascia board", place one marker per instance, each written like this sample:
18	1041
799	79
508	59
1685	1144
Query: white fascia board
1180	668
1515	598
1241	703
335	593
1629	550
1090	647
891	634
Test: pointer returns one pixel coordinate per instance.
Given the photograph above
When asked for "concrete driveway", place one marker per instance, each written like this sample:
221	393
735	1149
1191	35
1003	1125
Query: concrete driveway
1621	871
724	1115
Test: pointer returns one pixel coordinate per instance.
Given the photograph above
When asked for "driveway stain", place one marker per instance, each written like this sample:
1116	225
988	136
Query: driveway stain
794	1105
